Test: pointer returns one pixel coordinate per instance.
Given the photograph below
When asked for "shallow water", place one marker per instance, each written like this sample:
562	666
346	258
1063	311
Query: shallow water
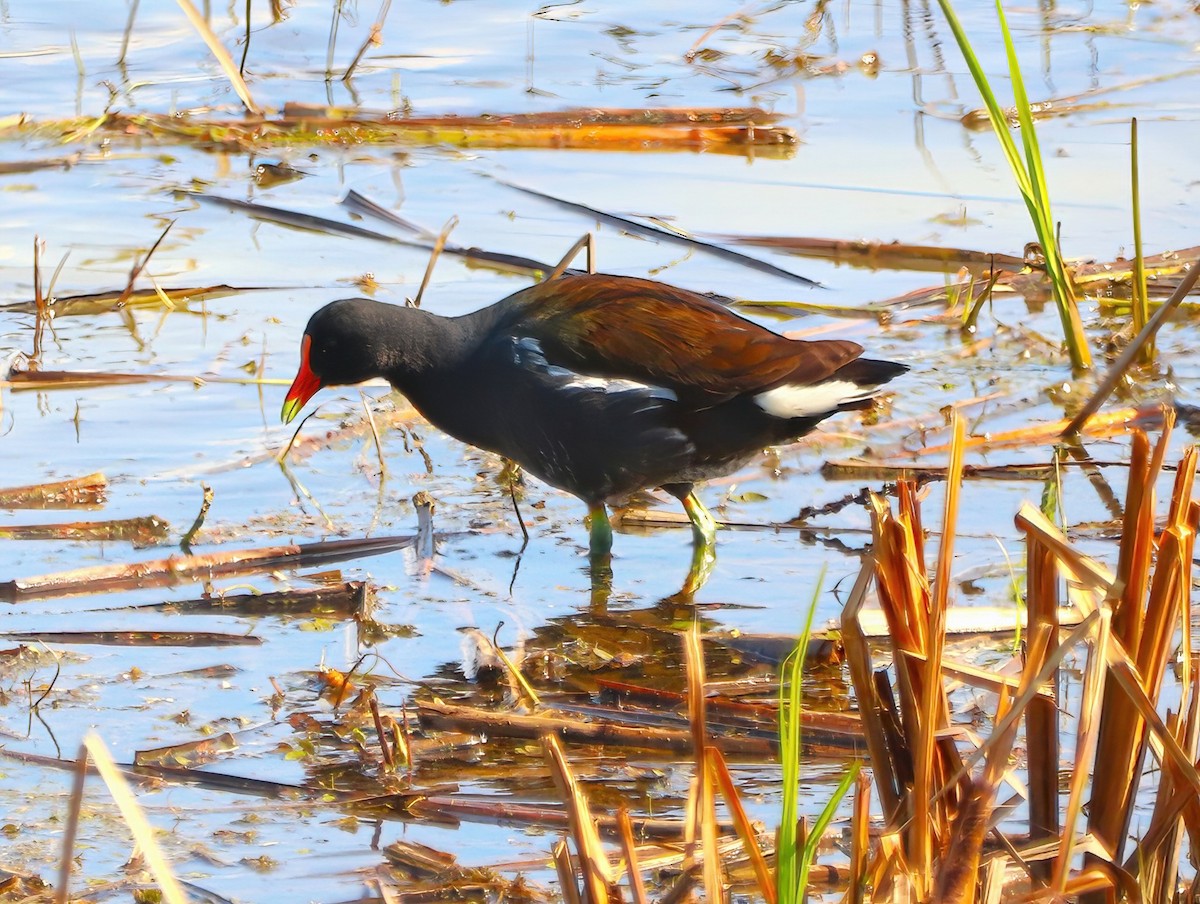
880	157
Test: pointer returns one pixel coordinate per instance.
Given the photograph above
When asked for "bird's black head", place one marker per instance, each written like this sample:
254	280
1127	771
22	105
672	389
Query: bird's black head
345	342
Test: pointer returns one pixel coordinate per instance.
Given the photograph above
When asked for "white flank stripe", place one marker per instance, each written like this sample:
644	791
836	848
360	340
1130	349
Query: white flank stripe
529	350
809	401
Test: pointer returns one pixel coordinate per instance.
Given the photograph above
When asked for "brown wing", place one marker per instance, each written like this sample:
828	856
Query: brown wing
638	329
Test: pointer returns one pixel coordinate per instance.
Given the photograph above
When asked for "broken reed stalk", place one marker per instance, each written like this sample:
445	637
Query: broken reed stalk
1161	848
588	241
637	888
178	569
139	265
921	760
721	777
565	867
79	491
593	862
693	658
1041	721
860	839
1130	630
1144	614
1085	748
934	708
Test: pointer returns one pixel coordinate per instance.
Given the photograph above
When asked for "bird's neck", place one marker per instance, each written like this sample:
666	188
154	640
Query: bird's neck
431	345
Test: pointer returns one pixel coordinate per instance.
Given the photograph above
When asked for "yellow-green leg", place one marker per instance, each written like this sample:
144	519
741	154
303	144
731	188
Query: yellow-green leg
704	545
704	525
600	533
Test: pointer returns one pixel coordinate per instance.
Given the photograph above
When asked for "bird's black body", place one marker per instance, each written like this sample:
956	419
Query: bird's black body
599	385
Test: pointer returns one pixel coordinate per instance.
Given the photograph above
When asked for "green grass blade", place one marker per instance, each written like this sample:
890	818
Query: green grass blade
788	867
1139	300
995	112
809	856
1029	174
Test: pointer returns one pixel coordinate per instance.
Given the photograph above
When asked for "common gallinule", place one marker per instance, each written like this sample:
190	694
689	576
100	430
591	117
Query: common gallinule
599	385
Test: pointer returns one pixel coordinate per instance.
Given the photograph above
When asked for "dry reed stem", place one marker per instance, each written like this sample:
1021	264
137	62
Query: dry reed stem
41	313
1143	624
1085	747
870	709
991	881
1129	679
890	870
566	872
934	713
62	893
637	888
139	265
860	839
1160	848
374	37
176	569
1029	690
1112	423
693	658
593	862
907	601
959	870
1082	569
143	833
217	49
1041	722
956	879
691	825
384	749
1137	543
719	772
88	491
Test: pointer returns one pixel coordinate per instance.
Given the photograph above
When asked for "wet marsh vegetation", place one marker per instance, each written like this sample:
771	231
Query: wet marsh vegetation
329	665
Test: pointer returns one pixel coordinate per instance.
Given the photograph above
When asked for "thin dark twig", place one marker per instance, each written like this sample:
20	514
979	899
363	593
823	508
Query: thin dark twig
333	30
512	494
133	8
139	266
39	305
832	508
1122	364
384	749
74	807
246	46
50	686
375	36
186	543
344	686
438	245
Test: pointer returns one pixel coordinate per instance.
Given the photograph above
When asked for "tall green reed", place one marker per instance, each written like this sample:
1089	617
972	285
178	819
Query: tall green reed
1030	176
